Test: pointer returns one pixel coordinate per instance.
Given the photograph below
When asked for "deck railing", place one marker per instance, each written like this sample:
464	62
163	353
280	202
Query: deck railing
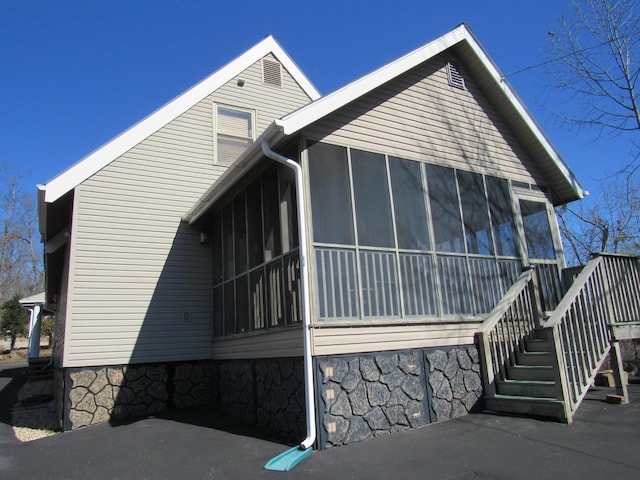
606	291
510	323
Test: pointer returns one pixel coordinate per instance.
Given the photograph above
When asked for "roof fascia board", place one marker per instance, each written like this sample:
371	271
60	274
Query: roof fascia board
524	112
94	162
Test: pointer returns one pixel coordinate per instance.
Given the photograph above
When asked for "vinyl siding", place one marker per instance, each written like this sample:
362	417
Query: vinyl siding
343	340
284	343
419	116
141	279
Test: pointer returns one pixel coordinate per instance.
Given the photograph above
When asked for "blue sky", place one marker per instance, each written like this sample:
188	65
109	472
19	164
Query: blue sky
73	74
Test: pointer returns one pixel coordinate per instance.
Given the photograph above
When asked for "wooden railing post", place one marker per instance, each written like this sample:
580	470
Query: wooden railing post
618	371
534	289
488	376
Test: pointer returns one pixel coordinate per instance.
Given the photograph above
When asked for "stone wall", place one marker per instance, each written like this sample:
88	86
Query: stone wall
98	394
368	395
266	392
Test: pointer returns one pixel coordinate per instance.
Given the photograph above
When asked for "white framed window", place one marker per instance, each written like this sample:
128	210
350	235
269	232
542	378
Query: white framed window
234	131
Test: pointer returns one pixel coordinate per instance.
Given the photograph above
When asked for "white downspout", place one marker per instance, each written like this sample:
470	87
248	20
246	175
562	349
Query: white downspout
306	312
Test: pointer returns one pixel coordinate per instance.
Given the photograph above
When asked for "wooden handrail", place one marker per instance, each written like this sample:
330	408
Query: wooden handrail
499	310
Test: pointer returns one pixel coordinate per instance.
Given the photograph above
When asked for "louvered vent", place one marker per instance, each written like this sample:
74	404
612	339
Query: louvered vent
271	73
455	75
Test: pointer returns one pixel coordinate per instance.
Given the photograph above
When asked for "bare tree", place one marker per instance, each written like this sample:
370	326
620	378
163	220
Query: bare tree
612	224
20	254
594	55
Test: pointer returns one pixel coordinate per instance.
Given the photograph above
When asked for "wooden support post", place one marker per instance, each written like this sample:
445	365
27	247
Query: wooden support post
618	371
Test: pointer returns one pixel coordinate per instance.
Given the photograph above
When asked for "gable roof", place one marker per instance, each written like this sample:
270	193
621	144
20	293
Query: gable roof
485	73
94	162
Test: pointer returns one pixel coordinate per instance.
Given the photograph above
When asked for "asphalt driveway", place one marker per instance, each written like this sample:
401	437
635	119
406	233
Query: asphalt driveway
604	442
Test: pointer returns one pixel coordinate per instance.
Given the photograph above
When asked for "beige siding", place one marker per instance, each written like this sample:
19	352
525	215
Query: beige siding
420	116
343	340
141	284
284	343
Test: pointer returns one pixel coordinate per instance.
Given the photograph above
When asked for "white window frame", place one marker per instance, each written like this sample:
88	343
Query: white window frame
215	106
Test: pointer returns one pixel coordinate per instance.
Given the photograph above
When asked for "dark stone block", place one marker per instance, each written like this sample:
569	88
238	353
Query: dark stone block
387	363
452	366
413	388
377	394
341	406
444	393
463	359
398	397
393	379
336	428
473	354
442	409
376	419
457	409
358	430
351	380
437	360
359	401
369	370
395	415
472	381
435	380
457	385
409	363
416	414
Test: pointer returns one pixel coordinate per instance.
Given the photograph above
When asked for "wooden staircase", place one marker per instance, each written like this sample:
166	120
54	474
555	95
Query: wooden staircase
544	365
529	386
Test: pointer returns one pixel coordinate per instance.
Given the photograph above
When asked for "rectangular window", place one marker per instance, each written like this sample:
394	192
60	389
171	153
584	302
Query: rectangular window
234	132
475	213
412	227
254	223
504	227
537	231
240	235
445	209
271	213
371	196
330	194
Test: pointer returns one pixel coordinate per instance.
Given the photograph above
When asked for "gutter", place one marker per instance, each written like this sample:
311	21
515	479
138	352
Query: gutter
289	459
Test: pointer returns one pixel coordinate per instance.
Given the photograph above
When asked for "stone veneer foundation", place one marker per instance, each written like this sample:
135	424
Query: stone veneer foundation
358	396
368	395
99	394
265	392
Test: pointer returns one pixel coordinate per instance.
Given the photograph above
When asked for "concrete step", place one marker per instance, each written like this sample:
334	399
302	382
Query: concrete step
527	388
543	407
530	372
534	358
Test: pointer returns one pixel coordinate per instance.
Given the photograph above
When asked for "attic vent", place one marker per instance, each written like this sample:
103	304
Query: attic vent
271	73
455	75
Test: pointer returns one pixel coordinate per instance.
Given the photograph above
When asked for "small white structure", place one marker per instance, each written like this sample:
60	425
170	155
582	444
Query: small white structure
34	304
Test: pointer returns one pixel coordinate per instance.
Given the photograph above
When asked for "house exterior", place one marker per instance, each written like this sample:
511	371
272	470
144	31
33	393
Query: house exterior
345	273
128	280
427	189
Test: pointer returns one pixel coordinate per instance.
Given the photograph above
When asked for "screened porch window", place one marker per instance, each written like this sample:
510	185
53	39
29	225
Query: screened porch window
401	238
256	265
234	133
